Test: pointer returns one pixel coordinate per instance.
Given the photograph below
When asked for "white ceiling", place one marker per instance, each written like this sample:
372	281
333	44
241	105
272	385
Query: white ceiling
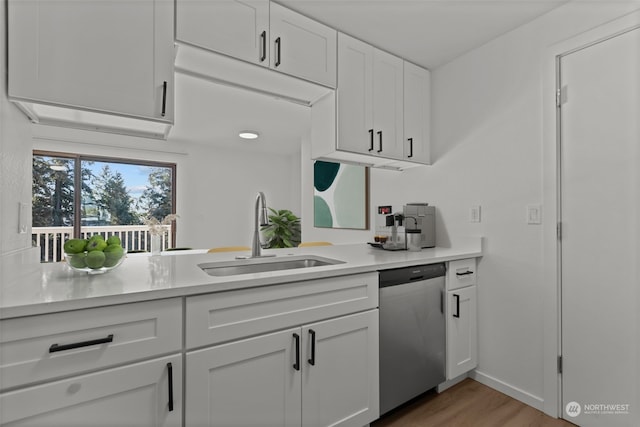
426	32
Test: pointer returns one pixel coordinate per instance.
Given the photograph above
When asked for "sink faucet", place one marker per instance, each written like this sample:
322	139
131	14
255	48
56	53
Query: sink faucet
261	218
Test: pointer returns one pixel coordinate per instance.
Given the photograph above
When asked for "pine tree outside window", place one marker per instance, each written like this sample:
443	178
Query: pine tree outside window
78	196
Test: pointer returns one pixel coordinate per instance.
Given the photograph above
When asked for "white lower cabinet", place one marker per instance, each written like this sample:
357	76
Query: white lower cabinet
462	322
145	394
320	374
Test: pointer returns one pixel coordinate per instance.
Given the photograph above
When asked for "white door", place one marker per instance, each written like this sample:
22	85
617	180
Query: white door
355	96
600	213
340	371
251	382
238	28
302	47
462	331
388	105
147	394
417	113
114	56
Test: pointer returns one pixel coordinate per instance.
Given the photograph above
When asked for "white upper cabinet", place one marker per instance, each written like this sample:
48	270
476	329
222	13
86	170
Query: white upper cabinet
302	47
263	33
369	98
387	104
417	113
238	28
105	56
355	96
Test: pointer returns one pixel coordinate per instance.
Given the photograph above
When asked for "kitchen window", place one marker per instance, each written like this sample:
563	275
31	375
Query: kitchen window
76	196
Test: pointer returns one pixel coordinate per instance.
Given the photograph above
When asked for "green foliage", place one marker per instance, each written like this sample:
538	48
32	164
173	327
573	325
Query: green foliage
156	198
283	230
112	196
52	192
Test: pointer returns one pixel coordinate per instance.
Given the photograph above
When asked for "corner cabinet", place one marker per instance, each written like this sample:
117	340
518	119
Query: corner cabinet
112	57
262	33
311	373
462	323
380	113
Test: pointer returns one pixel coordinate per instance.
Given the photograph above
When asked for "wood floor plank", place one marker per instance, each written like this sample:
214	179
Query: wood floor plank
468	403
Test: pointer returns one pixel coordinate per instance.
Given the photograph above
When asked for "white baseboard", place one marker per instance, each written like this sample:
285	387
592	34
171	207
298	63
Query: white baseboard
450	383
509	390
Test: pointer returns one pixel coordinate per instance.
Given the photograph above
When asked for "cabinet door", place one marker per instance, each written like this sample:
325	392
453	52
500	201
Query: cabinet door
238	28
417	113
302	47
388	104
252	382
340	371
144	394
462	335
111	56
355	96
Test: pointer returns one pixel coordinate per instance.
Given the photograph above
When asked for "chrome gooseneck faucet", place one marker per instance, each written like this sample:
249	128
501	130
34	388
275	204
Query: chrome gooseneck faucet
261	218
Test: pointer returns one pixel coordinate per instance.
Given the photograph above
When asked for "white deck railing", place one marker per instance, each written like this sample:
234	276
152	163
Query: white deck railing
133	238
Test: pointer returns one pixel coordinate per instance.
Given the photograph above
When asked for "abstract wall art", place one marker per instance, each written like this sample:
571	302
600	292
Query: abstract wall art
340	196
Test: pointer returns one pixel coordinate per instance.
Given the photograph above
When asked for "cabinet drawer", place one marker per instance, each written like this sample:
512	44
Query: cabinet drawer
221	317
461	273
41	347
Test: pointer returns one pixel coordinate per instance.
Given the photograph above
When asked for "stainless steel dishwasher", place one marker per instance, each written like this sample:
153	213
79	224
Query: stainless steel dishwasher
412	332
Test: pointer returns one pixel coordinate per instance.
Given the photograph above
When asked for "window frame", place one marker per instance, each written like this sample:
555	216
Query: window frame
77	180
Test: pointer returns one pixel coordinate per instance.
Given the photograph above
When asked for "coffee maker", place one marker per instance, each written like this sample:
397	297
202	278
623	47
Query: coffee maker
422	217
392	229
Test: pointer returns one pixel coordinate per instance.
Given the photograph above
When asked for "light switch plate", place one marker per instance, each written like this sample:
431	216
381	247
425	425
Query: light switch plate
534	214
24	219
474	214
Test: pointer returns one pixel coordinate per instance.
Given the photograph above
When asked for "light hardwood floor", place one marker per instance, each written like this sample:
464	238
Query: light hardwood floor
468	403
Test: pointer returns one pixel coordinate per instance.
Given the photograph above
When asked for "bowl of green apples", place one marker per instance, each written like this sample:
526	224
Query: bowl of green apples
94	255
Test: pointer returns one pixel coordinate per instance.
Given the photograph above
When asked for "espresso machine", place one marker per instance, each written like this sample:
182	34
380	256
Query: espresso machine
393	229
422	217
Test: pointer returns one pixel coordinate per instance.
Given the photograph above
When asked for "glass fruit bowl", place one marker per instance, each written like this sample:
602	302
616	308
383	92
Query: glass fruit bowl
96	262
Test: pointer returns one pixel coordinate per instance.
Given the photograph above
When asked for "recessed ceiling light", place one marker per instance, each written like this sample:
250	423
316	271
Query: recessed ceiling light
248	134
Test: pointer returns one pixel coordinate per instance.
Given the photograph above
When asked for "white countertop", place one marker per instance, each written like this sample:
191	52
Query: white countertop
55	287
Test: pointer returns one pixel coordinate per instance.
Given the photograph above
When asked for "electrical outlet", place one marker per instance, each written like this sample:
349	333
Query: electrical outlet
534	214
24	218
474	214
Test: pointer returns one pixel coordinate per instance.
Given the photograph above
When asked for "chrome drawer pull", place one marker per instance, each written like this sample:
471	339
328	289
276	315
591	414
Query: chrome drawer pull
56	347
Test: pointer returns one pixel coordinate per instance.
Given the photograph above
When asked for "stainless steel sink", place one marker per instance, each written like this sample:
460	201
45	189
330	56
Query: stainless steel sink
260	265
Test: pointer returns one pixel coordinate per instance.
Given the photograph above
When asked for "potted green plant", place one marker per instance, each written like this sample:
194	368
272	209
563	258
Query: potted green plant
283	230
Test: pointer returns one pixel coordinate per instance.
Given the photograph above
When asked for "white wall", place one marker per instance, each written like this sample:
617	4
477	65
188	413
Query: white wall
216	188
487	142
15	159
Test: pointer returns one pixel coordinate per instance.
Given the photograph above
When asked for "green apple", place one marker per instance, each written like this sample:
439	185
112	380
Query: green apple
77	260
95	259
113	254
113	240
96	245
75	246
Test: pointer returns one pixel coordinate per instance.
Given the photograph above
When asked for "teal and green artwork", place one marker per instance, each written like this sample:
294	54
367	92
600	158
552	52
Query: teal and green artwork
340	195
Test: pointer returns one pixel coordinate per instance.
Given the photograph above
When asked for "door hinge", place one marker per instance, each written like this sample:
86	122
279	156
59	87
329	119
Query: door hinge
559	364
561	96
559	230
